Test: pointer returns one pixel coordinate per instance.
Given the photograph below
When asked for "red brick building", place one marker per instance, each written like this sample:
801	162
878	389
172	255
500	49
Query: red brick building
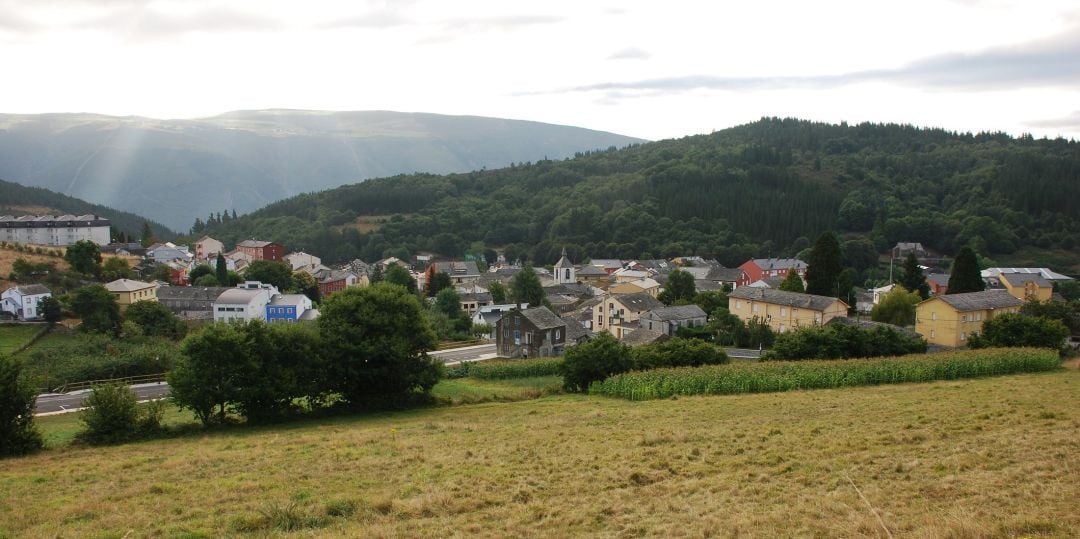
262	250
757	269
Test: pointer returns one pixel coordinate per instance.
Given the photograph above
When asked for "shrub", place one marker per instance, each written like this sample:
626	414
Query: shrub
59	360
1021	330
677	353
111	415
592	361
768	377
18	434
841	342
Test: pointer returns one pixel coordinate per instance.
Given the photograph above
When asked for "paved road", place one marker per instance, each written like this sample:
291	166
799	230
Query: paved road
469	353
66	402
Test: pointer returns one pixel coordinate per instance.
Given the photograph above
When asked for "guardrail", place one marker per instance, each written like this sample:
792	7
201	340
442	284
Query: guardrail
128	380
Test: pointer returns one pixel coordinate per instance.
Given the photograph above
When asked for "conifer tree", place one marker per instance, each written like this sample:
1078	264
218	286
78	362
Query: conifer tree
965	275
824	266
912	278
792	283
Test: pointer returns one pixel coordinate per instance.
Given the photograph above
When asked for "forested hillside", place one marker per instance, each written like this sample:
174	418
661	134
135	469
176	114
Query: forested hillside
177	170
765	188
18	200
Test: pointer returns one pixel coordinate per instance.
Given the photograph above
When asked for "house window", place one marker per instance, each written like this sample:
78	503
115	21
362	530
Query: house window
933	333
783	328
933	316
783	311
528	337
557	334
738	304
963	318
755	307
817	317
963	336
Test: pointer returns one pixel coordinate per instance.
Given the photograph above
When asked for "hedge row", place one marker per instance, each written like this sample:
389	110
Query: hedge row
767	377
506	369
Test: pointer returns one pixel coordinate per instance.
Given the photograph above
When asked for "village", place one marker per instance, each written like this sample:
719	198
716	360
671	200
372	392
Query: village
623	298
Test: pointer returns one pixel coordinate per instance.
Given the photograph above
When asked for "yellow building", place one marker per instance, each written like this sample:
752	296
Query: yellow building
647	285
784	311
949	320
1027	286
617	313
128	291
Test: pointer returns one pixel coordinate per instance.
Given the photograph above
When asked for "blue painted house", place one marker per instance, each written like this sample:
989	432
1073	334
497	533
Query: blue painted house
287	308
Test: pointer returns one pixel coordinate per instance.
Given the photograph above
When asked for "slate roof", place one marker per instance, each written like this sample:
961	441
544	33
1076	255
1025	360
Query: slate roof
203	293
940	279
288	299
127	285
1020	279
681	312
254	243
781	297
543	318
977	301
32	289
641	336
569	289
458	269
240	296
779	263
607	263
588	270
309	315
477	297
720	273
640	302
563	261
575	331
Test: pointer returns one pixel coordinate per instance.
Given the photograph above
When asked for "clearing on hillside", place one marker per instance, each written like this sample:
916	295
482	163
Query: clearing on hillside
987	457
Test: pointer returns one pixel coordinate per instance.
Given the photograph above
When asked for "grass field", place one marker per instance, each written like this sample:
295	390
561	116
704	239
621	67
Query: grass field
14	336
988	457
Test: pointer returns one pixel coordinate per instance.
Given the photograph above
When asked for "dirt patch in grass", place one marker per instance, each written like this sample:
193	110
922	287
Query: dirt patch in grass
988	457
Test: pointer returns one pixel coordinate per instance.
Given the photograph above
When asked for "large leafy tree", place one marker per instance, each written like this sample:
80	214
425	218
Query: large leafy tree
84	256
115	268
965	276
155	320
50	310
306	284
97	308
212	370
18	434
199	271
897	307
824	267
912	277
400	276
679	288
593	361
448	301
498	292
271	272
376	340
526	288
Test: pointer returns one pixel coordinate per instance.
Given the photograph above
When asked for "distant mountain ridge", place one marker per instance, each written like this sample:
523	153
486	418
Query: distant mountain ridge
180	170
19	200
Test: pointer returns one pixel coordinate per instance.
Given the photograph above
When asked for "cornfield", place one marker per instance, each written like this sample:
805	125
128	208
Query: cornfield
511	368
768	377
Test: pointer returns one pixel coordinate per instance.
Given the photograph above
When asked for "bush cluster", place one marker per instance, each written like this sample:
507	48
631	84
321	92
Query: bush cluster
604	356
839	341
368	348
112	416
506	369
786	376
18	434
86	357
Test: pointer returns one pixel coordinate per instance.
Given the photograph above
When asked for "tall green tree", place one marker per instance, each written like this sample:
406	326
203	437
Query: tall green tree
792	283
912	277
965	276
147	237
97	308
84	256
18	434
115	268
448	302
593	361
400	276
50	310
199	271
897	307
272	272
824	267
211	371
679	288
375	341
221	270
526	288
155	320
439	281
498	292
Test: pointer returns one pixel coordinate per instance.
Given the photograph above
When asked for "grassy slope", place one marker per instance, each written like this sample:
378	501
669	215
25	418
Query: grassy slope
994	456
13	336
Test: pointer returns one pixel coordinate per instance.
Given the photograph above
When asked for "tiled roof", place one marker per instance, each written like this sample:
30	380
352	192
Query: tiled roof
1020	279
977	301
127	285
640	302
781	297
32	289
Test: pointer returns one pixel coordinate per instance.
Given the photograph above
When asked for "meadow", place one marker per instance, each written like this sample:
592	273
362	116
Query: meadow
967	458
15	336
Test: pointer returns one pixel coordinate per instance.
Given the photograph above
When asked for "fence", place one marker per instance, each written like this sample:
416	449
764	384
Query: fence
130	380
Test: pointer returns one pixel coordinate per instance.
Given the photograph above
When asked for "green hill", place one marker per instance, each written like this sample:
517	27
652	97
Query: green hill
177	170
768	187
18	199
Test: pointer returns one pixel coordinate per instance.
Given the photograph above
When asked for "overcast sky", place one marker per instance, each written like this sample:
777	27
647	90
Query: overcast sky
650	69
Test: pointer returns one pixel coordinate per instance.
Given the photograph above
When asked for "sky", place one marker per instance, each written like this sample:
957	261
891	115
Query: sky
642	68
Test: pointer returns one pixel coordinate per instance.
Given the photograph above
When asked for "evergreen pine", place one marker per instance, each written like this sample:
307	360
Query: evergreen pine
221	271
965	275
792	283
824	266
913	279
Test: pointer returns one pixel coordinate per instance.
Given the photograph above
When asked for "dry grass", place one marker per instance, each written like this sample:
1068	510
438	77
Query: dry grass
8	256
989	457
365	224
